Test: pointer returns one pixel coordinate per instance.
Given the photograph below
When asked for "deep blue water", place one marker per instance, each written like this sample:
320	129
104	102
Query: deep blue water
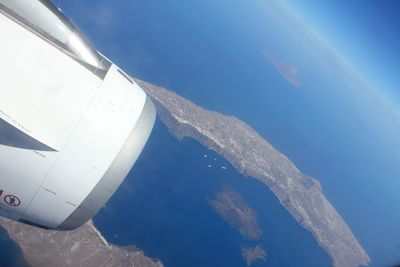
162	208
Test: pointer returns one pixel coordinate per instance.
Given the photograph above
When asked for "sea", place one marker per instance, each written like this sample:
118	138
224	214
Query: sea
162	208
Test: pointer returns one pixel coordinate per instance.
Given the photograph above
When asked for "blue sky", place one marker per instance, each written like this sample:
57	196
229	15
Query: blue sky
364	34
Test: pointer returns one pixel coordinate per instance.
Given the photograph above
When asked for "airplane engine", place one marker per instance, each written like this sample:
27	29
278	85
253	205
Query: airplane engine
72	124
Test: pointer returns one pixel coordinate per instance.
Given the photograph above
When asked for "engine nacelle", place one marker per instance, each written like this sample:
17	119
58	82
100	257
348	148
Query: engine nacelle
72	124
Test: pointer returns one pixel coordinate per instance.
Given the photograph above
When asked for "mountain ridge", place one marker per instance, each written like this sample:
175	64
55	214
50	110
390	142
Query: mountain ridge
254	157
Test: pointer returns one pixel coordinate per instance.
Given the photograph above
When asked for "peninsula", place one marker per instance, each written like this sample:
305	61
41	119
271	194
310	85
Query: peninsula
84	246
254	157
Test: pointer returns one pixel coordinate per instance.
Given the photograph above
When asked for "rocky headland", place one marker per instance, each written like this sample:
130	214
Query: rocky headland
84	246
254	157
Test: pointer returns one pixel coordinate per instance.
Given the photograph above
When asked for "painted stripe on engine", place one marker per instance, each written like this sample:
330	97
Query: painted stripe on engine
14	137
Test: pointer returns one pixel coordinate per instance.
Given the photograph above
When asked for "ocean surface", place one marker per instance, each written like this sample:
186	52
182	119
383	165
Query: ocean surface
162	209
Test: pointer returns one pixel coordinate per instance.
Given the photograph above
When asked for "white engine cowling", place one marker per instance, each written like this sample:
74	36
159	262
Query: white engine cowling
72	124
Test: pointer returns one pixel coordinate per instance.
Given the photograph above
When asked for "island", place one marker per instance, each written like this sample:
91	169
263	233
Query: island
233	209
84	246
254	157
253	254
289	72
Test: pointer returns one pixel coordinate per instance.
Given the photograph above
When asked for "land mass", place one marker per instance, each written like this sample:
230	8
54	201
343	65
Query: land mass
231	206
254	157
289	72
252	254
84	246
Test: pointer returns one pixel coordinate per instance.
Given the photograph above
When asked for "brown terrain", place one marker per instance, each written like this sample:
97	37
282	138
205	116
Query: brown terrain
231	206
84	246
254	157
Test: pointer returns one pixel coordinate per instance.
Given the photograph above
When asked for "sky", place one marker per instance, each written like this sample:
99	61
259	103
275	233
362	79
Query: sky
364	34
